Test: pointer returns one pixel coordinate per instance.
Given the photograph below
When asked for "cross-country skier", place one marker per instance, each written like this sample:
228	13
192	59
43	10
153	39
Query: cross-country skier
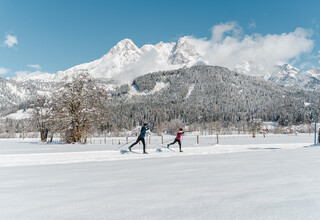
141	138
180	133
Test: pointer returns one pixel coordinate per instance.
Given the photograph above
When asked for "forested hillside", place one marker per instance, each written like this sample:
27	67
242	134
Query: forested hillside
205	94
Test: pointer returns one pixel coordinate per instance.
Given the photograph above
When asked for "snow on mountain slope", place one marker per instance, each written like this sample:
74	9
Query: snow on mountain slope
184	53
126	60
36	76
191	88
20	114
285	75
134	90
288	75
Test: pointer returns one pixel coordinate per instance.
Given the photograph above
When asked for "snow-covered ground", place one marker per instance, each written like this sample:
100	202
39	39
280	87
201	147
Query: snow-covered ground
275	177
20	114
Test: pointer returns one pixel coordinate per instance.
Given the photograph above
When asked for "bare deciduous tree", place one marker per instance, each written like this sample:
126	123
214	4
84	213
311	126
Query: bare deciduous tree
78	107
42	113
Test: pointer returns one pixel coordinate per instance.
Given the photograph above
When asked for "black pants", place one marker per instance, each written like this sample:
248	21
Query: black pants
137	141
175	141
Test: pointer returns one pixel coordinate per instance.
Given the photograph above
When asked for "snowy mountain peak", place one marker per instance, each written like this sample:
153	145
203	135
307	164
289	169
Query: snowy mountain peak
126	61
185	53
123	46
316	71
161	43
147	48
183	40
288	69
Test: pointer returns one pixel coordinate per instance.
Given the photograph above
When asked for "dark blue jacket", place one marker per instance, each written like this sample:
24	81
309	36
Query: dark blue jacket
143	131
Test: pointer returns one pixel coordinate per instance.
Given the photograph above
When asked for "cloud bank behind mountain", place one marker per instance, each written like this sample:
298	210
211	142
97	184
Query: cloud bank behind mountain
229	47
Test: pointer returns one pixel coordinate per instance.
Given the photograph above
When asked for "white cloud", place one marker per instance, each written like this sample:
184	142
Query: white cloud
34	66
306	65
252	24
24	73
3	71
220	30
36	75
10	40
148	62
229	47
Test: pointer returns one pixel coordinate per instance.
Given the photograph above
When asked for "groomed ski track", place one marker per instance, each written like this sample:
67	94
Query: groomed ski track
44	158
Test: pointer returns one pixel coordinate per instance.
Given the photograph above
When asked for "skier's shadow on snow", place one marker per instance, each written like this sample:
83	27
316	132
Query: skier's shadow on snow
313	145
42	143
266	148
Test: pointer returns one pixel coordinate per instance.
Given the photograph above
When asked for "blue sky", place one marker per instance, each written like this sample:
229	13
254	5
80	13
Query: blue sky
49	36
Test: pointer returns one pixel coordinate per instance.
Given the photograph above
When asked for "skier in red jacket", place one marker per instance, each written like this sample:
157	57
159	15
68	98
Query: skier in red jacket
180	133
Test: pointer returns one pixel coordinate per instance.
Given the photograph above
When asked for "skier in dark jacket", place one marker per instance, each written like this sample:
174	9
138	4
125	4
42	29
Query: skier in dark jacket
180	133
141	138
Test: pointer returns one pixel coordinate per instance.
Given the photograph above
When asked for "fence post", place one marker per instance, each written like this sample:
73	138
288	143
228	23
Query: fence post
315	132
161	139
105	140
149	139
119	141
217	138
127	139
112	141
198	139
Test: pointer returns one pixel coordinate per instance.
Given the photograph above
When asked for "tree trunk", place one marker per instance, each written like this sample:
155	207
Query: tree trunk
44	134
51	137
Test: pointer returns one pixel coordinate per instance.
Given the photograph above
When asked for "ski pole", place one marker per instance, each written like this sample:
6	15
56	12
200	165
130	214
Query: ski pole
165	142
125	144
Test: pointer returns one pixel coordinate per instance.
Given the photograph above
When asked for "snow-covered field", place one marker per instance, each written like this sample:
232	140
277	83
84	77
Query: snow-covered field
241	178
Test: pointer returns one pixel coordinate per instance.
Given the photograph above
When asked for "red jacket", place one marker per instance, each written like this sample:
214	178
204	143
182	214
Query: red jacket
180	133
